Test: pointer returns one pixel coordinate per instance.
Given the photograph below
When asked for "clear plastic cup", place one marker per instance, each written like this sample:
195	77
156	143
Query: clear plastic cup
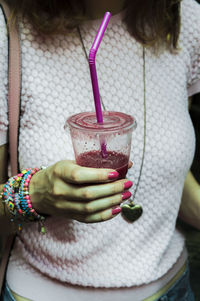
88	136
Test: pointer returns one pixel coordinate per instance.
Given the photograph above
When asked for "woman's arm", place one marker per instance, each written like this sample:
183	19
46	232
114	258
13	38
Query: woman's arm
190	204
66	189
5	226
3	163
3	170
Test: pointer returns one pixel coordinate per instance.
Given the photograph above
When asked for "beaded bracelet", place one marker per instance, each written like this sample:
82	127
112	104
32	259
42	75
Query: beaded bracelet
11	188
9	197
26	202
24	195
16	186
23	200
16	196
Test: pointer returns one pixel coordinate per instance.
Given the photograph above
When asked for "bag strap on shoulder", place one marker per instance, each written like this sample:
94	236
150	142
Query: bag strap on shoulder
14	91
14	87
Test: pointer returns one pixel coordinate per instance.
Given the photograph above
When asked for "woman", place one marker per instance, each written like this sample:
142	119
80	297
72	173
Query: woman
148	65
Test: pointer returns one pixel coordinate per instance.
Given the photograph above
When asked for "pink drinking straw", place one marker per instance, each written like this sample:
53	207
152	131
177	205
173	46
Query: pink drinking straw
93	71
93	74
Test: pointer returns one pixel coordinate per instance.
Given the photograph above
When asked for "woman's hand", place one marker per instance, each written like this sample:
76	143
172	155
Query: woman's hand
81	193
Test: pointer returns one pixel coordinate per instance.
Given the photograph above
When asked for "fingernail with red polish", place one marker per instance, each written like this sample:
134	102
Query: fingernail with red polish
113	175
116	210
126	195
128	185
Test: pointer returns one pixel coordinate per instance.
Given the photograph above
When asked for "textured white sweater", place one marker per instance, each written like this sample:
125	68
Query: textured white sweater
56	84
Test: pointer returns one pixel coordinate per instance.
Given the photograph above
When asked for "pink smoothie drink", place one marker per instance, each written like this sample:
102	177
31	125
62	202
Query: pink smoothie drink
87	136
114	160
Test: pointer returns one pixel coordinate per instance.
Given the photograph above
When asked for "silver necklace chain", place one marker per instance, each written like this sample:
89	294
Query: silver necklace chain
144	103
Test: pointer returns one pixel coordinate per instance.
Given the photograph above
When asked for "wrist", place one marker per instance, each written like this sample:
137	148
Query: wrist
37	190
16	198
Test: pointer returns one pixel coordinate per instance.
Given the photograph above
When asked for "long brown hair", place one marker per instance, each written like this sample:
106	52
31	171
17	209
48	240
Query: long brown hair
151	22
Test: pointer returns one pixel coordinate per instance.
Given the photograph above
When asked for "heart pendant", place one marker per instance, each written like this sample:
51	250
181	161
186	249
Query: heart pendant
132	211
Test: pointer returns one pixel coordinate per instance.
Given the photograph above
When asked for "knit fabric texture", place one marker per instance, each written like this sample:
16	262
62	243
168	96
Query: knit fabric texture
56	84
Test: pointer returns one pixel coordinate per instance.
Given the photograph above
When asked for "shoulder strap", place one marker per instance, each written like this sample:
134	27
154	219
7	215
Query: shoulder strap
14	89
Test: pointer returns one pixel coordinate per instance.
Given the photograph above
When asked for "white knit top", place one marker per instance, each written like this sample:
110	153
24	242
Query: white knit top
56	84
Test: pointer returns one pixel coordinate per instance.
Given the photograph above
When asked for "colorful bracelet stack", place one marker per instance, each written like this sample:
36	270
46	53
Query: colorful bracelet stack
17	199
